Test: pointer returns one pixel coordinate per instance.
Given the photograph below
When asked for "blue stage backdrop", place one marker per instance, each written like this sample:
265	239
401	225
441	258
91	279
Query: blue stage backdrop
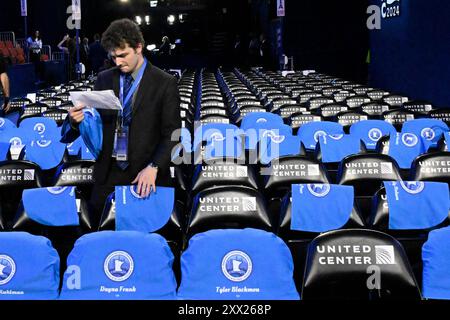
22	78
329	36
411	53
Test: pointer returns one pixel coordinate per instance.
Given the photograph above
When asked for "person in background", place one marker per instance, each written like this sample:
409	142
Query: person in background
68	46
84	54
4	80
239	52
63	44
264	52
165	47
253	51
35	47
97	55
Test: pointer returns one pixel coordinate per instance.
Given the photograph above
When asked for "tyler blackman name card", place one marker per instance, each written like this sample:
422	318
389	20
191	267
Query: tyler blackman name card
96	99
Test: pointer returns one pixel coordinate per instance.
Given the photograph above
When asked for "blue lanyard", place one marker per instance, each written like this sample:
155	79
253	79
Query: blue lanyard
133	87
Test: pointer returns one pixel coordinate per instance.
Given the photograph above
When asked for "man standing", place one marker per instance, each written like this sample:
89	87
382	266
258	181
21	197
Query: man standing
84	55
35	46
97	54
264	52
136	147
4	80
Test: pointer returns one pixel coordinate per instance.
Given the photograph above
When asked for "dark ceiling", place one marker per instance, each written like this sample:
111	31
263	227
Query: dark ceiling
318	33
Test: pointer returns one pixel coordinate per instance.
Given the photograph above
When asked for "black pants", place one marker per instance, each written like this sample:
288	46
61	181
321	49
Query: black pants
35	58
100	192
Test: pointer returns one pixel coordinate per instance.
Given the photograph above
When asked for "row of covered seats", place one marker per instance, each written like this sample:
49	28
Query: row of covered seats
325	141
403	147
246	264
53	102
227	203
223	139
31	152
219	187
322	155
238	99
376	131
33	157
40	138
42	133
302	95
246	123
241	207
62	214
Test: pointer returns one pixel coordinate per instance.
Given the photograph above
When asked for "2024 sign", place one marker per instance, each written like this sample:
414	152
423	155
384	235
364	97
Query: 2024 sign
389	9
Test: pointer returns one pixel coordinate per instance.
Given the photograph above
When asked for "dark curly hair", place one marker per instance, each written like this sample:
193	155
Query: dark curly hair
120	33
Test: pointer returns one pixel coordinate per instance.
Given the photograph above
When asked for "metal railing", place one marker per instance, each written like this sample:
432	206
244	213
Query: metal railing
8	36
59	56
22	43
47	50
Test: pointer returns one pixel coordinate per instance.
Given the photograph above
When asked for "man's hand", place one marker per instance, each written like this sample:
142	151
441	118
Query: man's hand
76	115
146	181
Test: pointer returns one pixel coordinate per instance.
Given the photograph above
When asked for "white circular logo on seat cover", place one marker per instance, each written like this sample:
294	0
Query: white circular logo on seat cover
412	187
375	134
56	190
269	133
44	143
7	269
273	136
118	266
261	120
236	266
319	134
319	190
336	136
15	141
409	139
39	128
134	193
428	133
217	136
277	139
